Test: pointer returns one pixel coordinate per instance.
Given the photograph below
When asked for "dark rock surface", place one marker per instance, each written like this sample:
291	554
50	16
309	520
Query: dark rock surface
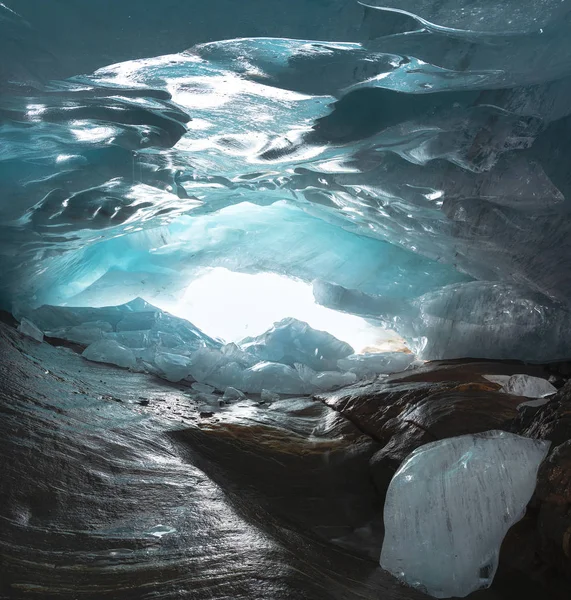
114	485
106	499
549	513
403	416
449	398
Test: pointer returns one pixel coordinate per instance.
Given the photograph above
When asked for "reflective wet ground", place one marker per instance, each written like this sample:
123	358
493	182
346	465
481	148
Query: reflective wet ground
118	485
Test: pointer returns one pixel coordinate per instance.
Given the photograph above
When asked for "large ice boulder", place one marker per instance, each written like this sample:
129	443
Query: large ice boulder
478	319
449	506
29	329
290	358
291	341
324	380
111	352
135	324
173	367
531	387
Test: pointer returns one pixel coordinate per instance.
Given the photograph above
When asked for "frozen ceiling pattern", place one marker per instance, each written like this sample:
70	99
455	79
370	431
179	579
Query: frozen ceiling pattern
417	175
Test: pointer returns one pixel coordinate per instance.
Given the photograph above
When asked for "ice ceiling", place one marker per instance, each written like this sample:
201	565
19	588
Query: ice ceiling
407	158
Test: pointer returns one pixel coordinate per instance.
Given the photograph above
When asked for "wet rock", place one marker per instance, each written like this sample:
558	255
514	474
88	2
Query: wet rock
470	370
554	478
553	526
404	416
552	421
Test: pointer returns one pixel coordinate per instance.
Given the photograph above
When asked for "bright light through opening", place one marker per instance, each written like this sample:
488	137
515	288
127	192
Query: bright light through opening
232	306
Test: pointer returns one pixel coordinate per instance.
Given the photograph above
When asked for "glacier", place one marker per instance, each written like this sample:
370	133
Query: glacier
417	161
289	358
450	505
403	160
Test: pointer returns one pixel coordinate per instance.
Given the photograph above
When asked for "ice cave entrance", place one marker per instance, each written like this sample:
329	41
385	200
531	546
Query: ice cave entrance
232	306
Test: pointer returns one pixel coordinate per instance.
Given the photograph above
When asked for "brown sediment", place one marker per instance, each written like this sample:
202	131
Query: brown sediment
274	439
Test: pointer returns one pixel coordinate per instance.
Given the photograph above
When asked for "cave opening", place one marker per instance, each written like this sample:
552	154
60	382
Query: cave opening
232	306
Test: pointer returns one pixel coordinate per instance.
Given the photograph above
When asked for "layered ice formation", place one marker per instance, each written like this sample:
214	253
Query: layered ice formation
291	341
407	156
449	506
290	358
472	319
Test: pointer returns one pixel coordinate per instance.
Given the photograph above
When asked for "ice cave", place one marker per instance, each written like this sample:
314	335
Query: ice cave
285	299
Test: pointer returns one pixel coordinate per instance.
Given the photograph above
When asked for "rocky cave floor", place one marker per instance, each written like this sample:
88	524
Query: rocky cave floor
120	485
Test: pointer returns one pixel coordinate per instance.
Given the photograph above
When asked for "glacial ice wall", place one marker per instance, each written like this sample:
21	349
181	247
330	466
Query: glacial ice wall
414	152
289	358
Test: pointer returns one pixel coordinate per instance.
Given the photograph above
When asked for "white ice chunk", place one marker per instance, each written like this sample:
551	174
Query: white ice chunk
231	393
174	366
531	387
291	341
29	329
499	379
204	362
449	506
202	388
230	368
214	368
523	385
274	377
110	351
267	396
324	380
228	374
376	363
84	334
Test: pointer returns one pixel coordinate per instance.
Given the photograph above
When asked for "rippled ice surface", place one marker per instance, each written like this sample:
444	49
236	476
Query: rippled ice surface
423	168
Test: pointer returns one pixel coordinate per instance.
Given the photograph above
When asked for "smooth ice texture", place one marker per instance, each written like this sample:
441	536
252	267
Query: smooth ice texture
231	394
111	352
532	387
174	367
26	327
449	506
412	155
